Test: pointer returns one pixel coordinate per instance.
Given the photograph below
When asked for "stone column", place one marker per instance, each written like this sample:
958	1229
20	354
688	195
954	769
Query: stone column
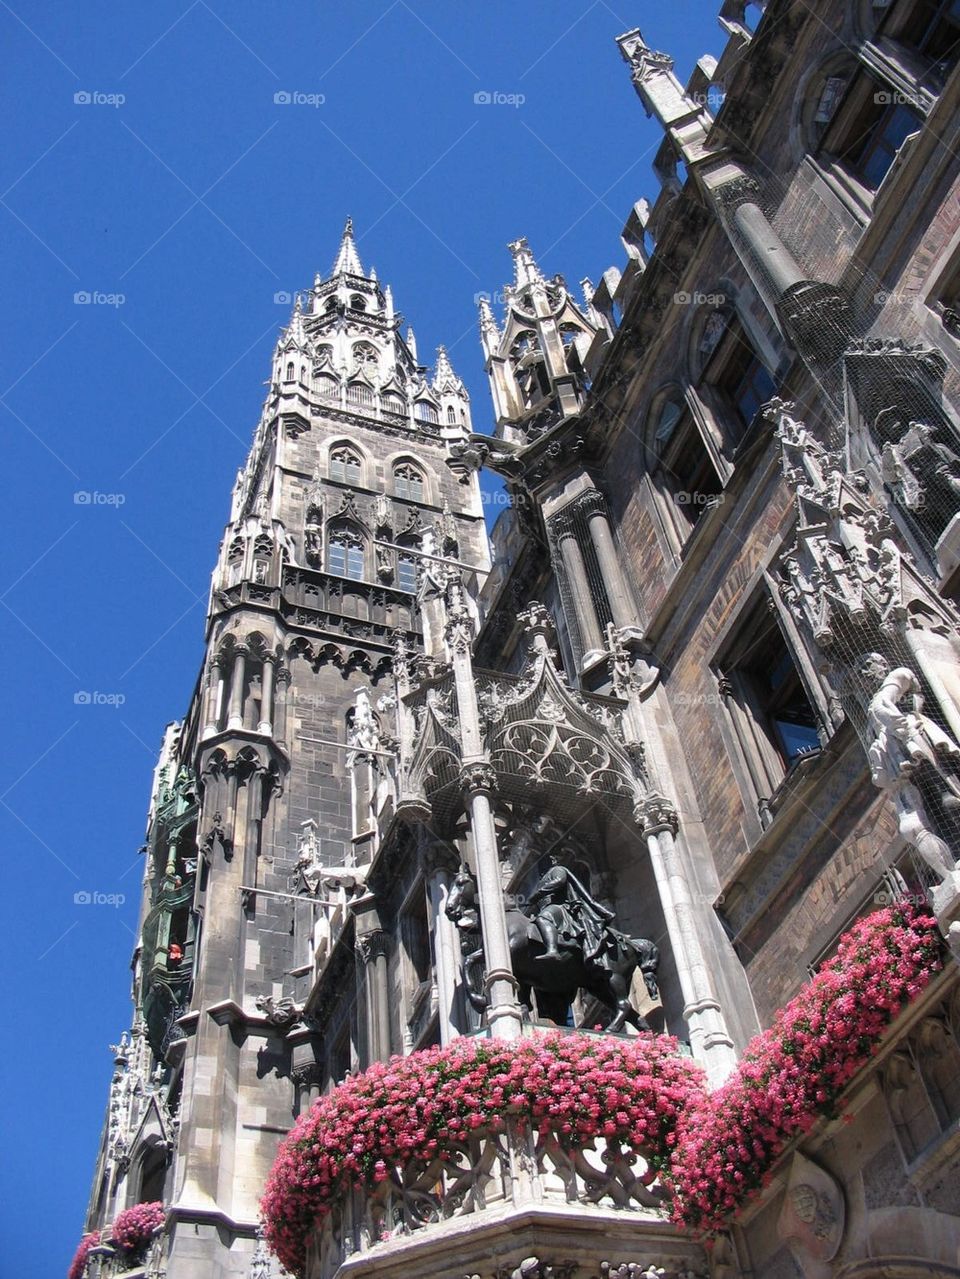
282	682
237	680
618	592
576	571
215	685
478	781
709	1037
373	949
266	697
439	865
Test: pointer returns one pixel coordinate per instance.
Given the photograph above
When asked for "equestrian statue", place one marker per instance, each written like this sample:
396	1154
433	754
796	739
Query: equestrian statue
565	944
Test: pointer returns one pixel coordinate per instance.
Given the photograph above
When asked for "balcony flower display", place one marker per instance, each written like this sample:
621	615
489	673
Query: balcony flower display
79	1262
793	1073
709	1151
135	1227
426	1106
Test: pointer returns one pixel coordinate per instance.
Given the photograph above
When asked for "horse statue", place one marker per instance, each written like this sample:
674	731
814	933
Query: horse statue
568	945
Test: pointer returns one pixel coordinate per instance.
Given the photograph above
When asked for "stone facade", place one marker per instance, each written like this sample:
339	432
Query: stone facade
711	672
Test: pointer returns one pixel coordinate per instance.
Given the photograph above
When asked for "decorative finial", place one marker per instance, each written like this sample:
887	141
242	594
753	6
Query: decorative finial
348	261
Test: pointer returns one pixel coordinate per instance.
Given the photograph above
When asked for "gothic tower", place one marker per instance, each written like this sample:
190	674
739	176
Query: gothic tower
268	805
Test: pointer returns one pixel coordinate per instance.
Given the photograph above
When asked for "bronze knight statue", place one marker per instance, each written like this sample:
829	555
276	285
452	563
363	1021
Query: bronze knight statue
565	944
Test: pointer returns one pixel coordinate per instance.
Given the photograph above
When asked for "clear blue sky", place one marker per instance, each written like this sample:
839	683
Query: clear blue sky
198	198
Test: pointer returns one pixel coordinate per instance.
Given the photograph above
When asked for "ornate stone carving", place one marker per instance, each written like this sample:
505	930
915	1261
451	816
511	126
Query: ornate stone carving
657	815
905	745
478	777
534	1268
283	1013
370	946
813	1214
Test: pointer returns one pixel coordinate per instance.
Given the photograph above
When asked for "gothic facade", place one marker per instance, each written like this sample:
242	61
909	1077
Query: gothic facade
699	694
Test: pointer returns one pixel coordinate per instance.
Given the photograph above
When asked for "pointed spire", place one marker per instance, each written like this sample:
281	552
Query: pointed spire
444	378
388	302
295	329
348	260
488	325
525	269
412	344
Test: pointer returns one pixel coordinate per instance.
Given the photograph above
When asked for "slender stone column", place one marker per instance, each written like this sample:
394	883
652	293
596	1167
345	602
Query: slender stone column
266	698
709	1037
576	571
215	686
618	592
439	864
282	682
373	949
237	680
478	781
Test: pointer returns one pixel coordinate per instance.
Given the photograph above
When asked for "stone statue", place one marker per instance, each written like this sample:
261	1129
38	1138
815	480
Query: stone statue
364	729
904	742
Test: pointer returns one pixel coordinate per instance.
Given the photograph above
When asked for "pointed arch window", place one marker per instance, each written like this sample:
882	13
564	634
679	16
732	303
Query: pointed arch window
408	482
451	415
291	374
394	404
426	412
360	393
407	572
345	552
345	466
328	388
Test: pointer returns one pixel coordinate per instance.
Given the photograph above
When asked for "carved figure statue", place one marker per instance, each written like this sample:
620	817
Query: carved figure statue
904	742
364	729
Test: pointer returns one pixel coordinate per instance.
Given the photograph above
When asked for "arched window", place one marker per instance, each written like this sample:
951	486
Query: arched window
426	412
406	572
408	482
731	367
291	372
357	303
345	466
680	466
360	393
345	552
328	388
392	403
451	415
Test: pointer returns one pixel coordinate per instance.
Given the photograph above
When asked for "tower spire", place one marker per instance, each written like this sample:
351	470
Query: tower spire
525	268
348	260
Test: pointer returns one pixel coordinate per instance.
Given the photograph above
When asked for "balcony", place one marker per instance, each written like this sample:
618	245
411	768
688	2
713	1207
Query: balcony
486	1147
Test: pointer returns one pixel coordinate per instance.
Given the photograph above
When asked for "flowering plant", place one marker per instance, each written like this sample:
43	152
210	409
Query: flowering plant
136	1226
79	1262
426	1105
794	1072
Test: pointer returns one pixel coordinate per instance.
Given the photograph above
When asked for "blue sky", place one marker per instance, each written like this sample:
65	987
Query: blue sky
183	188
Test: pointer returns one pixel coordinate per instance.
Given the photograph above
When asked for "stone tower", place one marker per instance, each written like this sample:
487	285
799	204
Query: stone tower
262	818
